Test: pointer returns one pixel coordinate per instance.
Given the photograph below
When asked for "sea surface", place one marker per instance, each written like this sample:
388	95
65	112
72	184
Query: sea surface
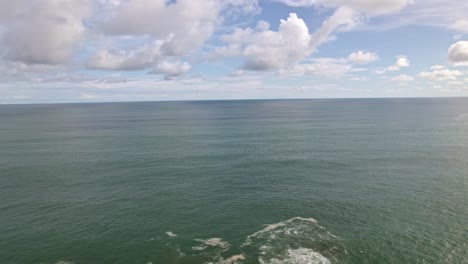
273	181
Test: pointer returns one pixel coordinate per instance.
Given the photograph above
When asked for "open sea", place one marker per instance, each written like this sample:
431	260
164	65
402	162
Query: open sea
262	181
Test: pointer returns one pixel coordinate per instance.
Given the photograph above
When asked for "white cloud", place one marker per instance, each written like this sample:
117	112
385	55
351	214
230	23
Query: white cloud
184	24
172	69
343	19
402	78
359	79
370	7
24	72
230	50
441	75
43	32
174	30
458	53
436	13
265	49
437	67
401	61
460	25
11	9
324	67
138	59
235	7
362	57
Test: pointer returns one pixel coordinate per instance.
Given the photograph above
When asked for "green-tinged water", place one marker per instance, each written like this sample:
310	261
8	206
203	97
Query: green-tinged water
289	181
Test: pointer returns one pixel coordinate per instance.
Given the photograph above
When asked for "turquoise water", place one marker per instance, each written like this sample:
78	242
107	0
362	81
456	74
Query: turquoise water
287	181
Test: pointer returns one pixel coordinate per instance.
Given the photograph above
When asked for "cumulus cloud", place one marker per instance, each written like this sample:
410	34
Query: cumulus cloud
185	24
20	71
174	29
43	32
230	50
458	53
362	57
401	61
138	59
265	49
370	7
440	74
172	69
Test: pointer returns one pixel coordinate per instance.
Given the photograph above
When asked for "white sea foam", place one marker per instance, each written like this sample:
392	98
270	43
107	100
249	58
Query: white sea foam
297	240
211	242
298	256
236	257
274	226
231	260
169	233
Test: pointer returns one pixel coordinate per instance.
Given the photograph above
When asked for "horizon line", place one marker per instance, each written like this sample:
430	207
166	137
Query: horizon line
240	99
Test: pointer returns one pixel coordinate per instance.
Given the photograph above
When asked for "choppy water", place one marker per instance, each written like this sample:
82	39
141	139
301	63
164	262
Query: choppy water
289	181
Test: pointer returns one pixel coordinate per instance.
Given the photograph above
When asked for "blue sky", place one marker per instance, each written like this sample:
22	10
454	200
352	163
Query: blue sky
54	51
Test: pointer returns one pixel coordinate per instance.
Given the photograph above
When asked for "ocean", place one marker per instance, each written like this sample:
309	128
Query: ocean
254	181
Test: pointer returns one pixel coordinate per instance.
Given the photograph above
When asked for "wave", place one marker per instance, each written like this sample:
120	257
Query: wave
274	226
299	256
170	234
297	240
211	242
236	259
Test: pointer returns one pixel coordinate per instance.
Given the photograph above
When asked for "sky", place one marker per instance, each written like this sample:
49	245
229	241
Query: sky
60	51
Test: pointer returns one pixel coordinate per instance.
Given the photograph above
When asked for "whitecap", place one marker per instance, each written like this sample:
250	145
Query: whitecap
293	240
298	256
236	257
274	226
231	260
169	233
211	242
297	240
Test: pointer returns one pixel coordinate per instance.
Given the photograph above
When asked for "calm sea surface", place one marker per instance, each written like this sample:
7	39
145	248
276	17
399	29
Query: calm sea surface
287	181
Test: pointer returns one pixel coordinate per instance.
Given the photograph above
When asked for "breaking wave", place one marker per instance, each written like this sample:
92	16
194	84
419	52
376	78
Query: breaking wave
211	242
299	256
294	241
169	233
